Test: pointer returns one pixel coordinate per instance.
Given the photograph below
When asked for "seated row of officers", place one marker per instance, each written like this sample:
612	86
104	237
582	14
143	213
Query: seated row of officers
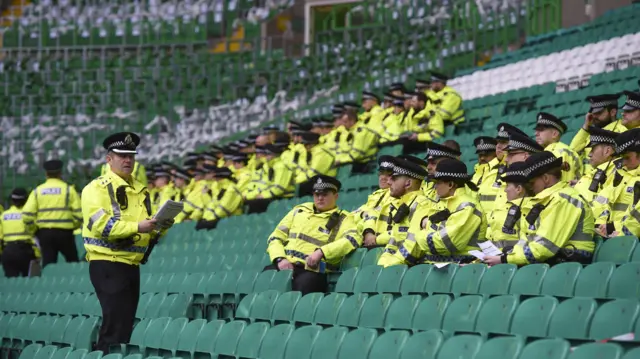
531	198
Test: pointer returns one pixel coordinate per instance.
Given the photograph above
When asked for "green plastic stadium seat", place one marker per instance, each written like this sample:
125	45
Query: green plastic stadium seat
353	260
572	317
301	342
329	342
561	279
367	279
423	345
306	308
143	304
401	312
357	344
372	256
440	279
614	318
503	347
171	336
62	353
546	349
528	279
137	339
327	311
350	310
250	340
624	282
227	340
285	307
188	338
430	312
46	352
347	280
415	279
597	351
94	355
205	343
375	310
152	337
275	341
496	313
262	307
243	310
460	346
153	307
281	281
632	354
594	280
40	329
78	354
461	314
112	356
390	279
30	351
533	316
175	306
389	345
617	250
468	278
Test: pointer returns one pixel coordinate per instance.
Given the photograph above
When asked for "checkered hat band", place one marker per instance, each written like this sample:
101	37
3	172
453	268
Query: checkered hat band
17	196
399	171
451	174
368	97
120	144
438	153
553	124
633	103
503	134
603	139
387	165
623	147
604	104
521	146
183	176
162	173
539	165
515	173
486	147
324	186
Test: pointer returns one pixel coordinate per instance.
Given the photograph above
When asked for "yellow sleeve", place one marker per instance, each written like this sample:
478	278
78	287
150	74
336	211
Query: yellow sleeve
30	210
76	210
580	140
450	104
363	139
432	130
99	217
226	206
348	240
601	205
452	235
141	176
282	180
631	222
280	236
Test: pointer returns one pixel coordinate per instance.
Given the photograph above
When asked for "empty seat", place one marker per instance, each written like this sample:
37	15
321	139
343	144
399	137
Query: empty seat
263	305
367	279
460	346
468	278
275	341
171	336
546	349
440	279
561	279
597	351
285	307
374	311
346	281
593	280
227	340
528	279
357	344
533	315
301	342
305	310
462	313
353	260
620	283
390	279
389	345
327	311
496	313
349	312
401	312
614	318
423	345
502	347
415	279
188	338
616	250
430	312
372	256
571	318
205	343
328	343
250	341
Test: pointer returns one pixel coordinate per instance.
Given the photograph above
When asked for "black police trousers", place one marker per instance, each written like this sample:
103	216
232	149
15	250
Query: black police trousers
305	281
54	240
117	287
16	258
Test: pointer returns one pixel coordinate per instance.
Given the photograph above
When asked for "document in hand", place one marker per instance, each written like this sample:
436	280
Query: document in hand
169	210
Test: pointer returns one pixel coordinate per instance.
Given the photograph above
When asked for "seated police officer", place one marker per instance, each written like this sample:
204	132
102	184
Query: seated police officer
560	222
304	229
16	242
379	197
602	169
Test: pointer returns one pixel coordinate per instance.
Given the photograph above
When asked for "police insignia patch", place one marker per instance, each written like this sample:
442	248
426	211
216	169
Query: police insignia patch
128	140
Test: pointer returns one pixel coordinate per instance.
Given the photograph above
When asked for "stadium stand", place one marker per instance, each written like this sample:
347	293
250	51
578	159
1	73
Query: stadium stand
204	293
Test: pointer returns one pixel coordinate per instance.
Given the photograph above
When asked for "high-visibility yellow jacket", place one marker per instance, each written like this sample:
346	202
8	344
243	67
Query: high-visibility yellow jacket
193	206
303	230
337	139
53	204
376	122
12	229
569	157
139	172
228	202
317	160
362	147
165	194
449	104
582	139
368	114
584	183
277	181
501	236
428	124
375	202
394	126
566	221
611	204
489	186
449	240
631	221
108	223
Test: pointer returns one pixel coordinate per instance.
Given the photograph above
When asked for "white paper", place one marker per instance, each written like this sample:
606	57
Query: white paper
440	265
169	210
624	337
489	249
477	254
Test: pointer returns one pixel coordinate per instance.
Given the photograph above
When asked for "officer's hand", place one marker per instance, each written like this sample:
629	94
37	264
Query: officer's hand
615	234
147	225
492	260
588	120
565	166
370	240
314	258
572	183
285	265
259	196
413	137
602	230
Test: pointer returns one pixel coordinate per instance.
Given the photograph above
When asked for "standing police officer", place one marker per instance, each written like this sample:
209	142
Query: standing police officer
53	213
17	243
117	230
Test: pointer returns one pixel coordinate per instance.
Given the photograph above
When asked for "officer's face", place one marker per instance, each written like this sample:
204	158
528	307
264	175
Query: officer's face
631	119
631	160
437	86
384	177
180	182
121	164
325	201
599	154
398	185
514	191
431	165
516	156
545	136
486	157
444	188
161	181
538	184
500	149
604	117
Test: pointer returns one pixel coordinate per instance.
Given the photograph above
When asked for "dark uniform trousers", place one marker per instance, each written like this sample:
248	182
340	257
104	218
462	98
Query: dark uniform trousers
117	287
305	281
54	240
16	258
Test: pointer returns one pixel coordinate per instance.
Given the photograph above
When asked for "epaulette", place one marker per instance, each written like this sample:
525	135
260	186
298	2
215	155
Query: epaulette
618	163
304	207
103	180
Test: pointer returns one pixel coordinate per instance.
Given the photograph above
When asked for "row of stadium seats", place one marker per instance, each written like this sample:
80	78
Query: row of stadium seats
16	331
537	317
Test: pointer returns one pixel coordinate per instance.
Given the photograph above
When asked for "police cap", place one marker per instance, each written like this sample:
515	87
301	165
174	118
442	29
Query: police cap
522	142
52	166
633	101
310	138
366	95
600	102
540	163
547	120
350	105
404	167
223	172
601	136
385	163
420	84
504	130
270	128
388	96
436	150
485	144
420	162
628	141
515	173
322	183
396	86
19	193
122	142
439	77
191	156
451	170
181	173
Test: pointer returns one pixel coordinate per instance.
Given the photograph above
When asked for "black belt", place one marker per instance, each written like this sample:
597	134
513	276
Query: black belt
8	243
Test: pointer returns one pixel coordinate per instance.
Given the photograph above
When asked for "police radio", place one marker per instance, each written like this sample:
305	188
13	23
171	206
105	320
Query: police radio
534	213
121	197
513	216
440	216
402	212
599	178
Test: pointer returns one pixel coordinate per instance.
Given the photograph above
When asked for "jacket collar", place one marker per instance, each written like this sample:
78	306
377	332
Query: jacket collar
546	195
119	181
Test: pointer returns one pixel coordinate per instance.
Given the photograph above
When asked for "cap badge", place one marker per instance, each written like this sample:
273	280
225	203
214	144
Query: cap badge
128	140
319	180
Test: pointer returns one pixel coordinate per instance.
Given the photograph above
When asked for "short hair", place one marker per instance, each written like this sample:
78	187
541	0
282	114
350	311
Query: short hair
351	115
556	172
421	96
452	144
282	137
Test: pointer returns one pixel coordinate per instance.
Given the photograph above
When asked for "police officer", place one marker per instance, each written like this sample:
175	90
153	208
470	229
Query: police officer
307	227
117	231
486	151
631	110
448	100
379	197
436	153
549	129
16	241
602	169
560	222
227	202
315	159
53	211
